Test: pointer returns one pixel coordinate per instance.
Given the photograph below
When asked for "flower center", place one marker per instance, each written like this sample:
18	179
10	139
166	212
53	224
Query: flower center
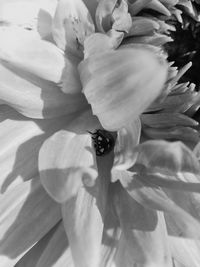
103	142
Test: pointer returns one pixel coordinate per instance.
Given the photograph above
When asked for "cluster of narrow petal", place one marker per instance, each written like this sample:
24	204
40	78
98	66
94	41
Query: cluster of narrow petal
67	69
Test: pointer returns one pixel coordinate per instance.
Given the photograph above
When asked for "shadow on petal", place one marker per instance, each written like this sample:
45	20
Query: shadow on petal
27	214
21	139
35	97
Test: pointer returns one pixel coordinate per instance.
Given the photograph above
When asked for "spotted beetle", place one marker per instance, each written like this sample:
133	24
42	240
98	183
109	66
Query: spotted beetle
103	142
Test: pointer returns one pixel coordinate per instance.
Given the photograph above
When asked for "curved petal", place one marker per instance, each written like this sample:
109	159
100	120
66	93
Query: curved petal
84	216
103	14
121	18
70	80
24	49
144	233
84	225
26	215
45	19
66	162
20	141
166	120
188	201
127	139
184	134
71	24
167	158
154	198
97	43
121	84
35	97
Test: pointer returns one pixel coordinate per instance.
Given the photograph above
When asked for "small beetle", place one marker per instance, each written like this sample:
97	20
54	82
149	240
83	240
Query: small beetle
103	142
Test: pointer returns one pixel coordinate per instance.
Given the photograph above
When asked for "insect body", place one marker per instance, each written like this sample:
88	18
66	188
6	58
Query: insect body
103	142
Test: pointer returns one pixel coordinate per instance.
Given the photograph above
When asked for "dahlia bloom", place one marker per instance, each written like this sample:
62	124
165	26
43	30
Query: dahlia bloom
77	186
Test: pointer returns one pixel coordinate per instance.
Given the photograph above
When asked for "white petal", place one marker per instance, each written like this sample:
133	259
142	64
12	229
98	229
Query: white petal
71	24
70	158
35	97
20	141
127	138
144	233
121	84
185	251
27	51
84	226
57	253
26	215
152	197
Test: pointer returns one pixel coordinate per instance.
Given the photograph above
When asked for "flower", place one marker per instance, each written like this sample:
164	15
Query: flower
63	85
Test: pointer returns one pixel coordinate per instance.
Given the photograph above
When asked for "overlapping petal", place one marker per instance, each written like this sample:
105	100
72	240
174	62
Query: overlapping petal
185	251
71	24
150	196
69	156
167	158
35	97
66	162
43	58
103	14
84	216
84	226
145	235
119	84
53	250
127	139
24	220
20	141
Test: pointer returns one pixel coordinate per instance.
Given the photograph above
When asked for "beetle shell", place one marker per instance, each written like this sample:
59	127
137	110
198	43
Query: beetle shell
103	142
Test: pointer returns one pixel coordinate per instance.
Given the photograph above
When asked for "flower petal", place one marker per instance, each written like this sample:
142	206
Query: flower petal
121	18
185	250
27	51
144	232
57	252
181	133
103	14
162	120
127	139
71	24
114	81
152	197
36	15
32	256
83	217
112	232
70	80
188	201
97	43
70	158
20	141
26	215
168	158
35	97
83	224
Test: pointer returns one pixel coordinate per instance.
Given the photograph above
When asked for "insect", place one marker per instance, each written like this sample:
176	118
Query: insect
103	142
